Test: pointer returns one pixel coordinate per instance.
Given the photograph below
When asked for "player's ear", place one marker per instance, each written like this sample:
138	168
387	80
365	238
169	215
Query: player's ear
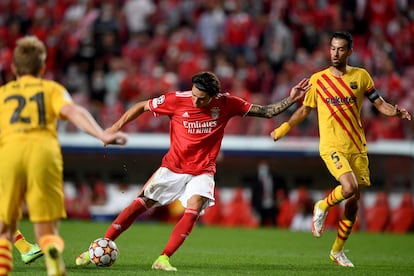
350	51
13	69
42	70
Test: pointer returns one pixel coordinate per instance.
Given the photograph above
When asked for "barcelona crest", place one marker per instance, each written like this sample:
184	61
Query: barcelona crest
353	85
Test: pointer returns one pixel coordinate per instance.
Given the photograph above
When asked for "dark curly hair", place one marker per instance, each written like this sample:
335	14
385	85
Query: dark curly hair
343	35
207	82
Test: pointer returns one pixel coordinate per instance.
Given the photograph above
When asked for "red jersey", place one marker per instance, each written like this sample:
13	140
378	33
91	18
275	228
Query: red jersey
196	133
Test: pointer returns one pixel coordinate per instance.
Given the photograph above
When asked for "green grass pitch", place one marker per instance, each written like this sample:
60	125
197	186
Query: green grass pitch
231	251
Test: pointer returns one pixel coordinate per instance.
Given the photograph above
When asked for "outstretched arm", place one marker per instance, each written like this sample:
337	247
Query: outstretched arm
131	114
391	110
80	117
271	110
294	120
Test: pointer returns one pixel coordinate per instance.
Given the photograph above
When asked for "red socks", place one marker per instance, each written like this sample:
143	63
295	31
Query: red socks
181	231
126	218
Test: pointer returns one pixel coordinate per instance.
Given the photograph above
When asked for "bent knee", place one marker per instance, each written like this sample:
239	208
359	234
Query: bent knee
196	202
349	191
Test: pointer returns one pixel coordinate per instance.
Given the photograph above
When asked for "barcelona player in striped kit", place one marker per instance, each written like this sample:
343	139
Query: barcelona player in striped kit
31	162
337	93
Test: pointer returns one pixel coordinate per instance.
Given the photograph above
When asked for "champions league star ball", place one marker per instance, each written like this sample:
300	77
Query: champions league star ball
103	252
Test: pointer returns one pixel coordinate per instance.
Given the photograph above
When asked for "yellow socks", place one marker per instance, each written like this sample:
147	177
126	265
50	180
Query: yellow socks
344	230
6	257
49	240
335	197
52	247
21	243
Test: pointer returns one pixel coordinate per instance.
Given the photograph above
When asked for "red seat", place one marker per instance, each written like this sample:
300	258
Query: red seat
213	215
402	218
239	212
378	215
287	210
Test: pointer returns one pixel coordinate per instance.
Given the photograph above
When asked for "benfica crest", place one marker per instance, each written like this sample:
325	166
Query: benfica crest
353	84
215	112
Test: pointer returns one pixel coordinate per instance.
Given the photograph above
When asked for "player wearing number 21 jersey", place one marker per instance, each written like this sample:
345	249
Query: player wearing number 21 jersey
31	104
31	165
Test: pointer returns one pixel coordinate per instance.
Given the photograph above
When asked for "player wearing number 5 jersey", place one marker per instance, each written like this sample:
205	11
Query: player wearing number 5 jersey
197	121
337	93
30	157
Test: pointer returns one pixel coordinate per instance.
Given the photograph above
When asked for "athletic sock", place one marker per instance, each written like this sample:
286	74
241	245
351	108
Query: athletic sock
6	257
181	231
344	230
21	243
126	218
54	240
333	198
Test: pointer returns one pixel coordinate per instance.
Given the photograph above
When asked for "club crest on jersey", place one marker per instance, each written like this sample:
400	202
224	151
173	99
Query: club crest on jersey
215	112
158	101
353	84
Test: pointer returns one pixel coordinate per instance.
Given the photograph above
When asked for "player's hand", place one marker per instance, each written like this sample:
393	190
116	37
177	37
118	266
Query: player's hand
117	138
300	89
402	113
281	131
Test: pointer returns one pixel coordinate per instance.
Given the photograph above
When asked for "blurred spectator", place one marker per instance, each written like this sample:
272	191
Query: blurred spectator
381	12
385	128
264	186
239	37
113	79
6	58
97	84
137	14
75	79
266	44
278	43
107	32
210	27
130	90
303	208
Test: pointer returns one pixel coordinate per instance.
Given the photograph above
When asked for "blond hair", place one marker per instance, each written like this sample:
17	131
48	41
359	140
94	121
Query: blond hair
29	56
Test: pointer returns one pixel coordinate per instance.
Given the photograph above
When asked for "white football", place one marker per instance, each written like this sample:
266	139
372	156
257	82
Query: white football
103	252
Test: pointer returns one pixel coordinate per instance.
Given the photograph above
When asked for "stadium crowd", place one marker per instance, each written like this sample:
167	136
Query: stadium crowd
111	53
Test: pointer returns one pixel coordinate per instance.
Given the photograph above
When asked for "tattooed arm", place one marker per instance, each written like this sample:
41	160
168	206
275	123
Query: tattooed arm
271	110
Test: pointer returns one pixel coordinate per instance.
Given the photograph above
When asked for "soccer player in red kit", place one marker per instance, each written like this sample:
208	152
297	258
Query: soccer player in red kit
197	121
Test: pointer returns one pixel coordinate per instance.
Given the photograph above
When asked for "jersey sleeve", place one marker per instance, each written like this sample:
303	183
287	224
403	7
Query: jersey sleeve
60	98
370	92
163	105
311	96
239	107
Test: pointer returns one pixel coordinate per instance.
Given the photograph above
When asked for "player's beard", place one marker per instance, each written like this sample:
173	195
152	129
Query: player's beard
338	63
